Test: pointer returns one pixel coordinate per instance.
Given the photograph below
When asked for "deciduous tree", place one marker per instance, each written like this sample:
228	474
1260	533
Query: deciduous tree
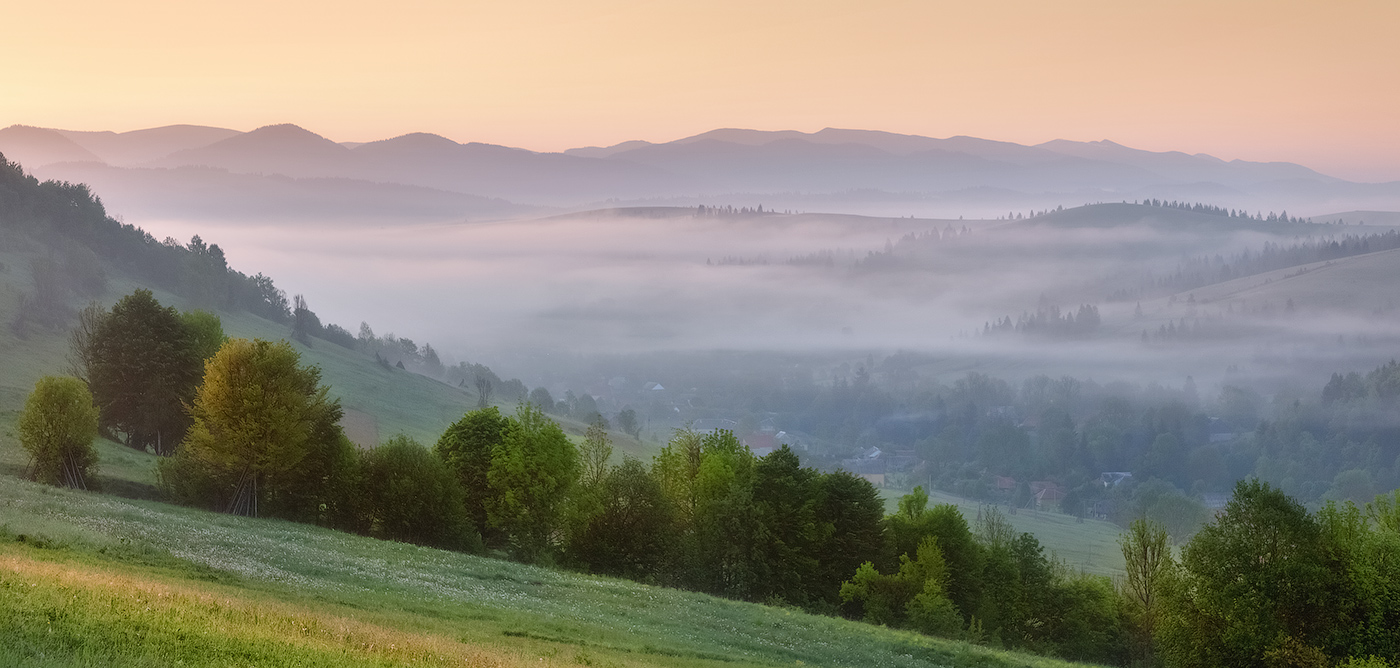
532	469
143	368
466	449
256	418
408	494
57	427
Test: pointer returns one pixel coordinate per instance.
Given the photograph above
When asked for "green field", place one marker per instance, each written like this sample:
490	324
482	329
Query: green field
1088	545
88	579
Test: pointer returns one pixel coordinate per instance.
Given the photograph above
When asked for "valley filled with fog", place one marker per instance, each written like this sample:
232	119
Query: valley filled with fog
523	293
842	288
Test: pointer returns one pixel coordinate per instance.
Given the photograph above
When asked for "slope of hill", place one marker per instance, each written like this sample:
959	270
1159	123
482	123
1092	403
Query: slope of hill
198	193
1184	167
39	146
424	160
1362	218
1356	286
95	580
138	147
502	171
274	149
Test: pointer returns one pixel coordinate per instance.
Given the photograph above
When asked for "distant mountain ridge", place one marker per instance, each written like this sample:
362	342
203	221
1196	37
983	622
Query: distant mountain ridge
786	168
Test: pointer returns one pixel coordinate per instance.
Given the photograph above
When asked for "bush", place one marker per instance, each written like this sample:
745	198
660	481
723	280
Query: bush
57	427
407	494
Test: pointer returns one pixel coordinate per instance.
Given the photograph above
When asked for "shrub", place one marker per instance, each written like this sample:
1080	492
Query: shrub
408	494
57	427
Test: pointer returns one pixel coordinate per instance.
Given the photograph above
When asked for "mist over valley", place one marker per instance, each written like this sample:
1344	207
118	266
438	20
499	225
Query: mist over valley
544	333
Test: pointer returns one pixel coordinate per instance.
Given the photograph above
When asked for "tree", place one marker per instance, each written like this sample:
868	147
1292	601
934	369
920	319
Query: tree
322	488
80	349
676	467
532	469
1147	559
466	449
542	400
594	454
305	324
784	503
586	408
852	512
1384	511
914	597
627	422
965	557
724	529
1252	580
143	369
631	531
206	333
1362	551
483	391
256	418
408	494
57	427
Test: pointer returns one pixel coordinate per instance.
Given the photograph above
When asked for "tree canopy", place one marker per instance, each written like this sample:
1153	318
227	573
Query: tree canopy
143	366
257	416
408	494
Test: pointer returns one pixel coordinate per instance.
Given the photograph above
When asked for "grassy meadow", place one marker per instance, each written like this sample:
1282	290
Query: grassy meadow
89	579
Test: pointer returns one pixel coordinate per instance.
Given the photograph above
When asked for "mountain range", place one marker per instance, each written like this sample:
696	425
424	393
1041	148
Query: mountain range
290	172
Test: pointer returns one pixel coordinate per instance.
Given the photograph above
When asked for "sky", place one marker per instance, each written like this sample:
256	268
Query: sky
1316	83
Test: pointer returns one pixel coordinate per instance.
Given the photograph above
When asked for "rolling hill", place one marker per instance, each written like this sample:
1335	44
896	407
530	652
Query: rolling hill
858	170
1344	287
37	146
140	147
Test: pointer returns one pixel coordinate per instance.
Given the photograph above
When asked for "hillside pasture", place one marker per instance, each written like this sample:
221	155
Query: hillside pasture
92	579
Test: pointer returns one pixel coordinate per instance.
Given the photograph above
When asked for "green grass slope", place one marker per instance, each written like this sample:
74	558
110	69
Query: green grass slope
87	579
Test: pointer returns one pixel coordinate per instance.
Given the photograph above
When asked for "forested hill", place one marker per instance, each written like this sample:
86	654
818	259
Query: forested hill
59	248
81	246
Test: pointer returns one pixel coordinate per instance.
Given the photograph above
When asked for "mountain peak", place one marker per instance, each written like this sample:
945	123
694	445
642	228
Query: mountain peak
413	141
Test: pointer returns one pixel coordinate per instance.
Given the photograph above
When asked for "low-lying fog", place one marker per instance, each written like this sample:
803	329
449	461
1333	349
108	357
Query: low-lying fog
516	293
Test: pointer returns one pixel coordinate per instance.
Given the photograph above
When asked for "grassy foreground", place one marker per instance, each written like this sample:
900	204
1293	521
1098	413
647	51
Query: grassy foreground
88	579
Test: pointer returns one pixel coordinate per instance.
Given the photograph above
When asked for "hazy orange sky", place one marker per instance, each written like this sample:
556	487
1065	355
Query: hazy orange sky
1310	82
